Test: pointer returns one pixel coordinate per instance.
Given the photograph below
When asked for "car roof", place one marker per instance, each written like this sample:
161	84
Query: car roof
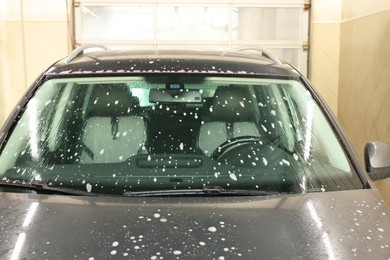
114	62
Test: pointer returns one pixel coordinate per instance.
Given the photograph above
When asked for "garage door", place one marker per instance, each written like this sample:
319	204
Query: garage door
279	25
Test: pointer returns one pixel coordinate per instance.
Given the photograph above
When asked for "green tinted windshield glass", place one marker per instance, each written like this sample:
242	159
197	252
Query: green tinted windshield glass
113	135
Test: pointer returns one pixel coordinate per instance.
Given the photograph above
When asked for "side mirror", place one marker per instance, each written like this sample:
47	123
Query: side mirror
377	160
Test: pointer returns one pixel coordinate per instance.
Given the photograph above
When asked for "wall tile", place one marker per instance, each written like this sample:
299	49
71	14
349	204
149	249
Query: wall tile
364	96
324	61
12	68
27	48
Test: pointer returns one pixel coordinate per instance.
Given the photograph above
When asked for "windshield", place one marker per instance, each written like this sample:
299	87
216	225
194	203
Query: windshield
128	134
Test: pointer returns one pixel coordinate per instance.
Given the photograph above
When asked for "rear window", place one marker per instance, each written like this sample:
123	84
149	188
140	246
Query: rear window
117	134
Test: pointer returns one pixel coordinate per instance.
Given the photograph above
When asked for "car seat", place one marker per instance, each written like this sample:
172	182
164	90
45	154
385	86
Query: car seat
112	131
231	115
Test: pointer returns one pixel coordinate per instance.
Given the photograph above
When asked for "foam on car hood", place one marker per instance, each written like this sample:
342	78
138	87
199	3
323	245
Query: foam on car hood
323	225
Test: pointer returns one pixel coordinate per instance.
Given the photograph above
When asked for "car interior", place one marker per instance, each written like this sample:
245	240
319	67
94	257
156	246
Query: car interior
169	134
112	131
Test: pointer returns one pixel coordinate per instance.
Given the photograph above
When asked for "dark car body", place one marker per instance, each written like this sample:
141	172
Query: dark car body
39	220
341	225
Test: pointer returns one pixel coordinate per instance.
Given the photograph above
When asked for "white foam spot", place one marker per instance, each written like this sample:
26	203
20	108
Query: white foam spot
212	229
265	161
177	252
89	187
285	162
232	176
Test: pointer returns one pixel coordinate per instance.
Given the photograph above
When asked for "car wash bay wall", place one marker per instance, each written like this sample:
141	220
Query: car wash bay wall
325	49
33	35
364	86
350	65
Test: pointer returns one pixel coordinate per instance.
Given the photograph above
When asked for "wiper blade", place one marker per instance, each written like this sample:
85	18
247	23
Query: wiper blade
238	192
207	191
43	186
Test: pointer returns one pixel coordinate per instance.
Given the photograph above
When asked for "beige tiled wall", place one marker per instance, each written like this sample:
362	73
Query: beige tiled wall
364	92
31	38
27	48
11	64
324	62
325	49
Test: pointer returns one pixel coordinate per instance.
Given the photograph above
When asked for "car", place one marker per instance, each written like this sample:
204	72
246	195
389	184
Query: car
184	154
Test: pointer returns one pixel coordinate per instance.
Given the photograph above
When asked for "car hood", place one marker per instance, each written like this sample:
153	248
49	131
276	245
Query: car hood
331	225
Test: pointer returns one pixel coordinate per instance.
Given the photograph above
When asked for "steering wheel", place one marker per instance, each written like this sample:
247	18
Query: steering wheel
237	142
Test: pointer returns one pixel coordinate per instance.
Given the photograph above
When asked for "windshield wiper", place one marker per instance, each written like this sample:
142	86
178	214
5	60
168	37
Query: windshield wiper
41	186
207	191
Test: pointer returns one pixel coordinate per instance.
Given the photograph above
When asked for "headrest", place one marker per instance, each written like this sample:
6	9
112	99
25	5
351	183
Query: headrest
111	100
232	104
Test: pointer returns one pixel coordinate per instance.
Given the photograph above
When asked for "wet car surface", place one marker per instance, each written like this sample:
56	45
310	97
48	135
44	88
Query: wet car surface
320	226
182	154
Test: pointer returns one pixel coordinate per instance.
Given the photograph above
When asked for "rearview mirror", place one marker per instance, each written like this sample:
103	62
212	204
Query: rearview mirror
377	160
175	96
